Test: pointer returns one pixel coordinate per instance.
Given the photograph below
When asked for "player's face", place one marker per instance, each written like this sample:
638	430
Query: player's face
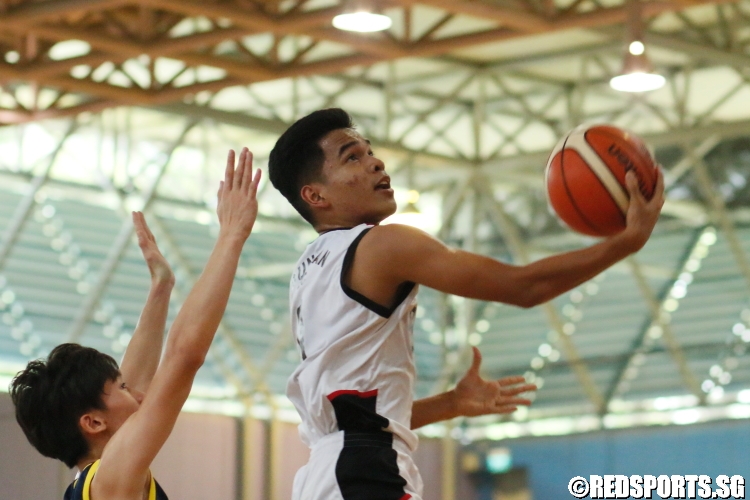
355	182
120	402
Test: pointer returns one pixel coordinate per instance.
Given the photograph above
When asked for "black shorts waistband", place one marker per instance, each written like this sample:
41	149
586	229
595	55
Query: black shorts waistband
379	439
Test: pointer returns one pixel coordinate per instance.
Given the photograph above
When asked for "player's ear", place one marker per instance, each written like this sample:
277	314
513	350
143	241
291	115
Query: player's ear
313	195
92	423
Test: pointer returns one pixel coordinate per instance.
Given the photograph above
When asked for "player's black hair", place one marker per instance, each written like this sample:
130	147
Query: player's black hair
297	158
51	395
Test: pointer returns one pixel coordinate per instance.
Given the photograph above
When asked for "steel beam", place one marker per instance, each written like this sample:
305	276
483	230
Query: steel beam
448	471
687	163
502	169
677	136
668	336
451	206
224	331
655	303
117	250
29	13
700	52
719	212
278	127
284	340
24	208
370	50
508	229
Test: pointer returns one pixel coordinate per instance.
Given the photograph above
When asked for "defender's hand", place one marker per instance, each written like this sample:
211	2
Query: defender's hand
642	215
238	206
157	265
476	396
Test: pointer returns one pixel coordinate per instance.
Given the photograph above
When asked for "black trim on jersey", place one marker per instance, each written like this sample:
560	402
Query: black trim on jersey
403	290
74	490
367	467
356	412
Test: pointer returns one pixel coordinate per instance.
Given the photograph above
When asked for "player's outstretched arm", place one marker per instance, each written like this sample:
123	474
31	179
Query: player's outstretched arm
473	396
392	254
127	456
142	356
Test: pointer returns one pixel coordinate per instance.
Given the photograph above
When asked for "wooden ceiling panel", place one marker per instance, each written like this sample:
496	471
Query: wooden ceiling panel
120	30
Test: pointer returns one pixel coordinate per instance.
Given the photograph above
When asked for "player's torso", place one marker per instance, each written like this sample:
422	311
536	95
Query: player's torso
358	360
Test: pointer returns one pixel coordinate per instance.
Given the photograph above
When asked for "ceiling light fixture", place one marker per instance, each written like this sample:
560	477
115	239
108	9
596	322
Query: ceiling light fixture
637	74
362	21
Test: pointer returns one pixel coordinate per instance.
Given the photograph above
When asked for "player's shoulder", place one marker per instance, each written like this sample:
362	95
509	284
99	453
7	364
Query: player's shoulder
394	251
392	240
398	234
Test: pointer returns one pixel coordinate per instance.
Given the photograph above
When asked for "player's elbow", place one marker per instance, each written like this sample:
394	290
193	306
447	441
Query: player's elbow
193	361
536	294
188	357
525	299
522	288
528	299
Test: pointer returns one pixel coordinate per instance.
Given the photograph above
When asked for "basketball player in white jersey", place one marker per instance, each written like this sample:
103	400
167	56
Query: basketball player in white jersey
353	302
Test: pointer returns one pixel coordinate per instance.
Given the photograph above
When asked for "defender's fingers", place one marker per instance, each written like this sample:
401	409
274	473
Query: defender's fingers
146	229
522	401
513	401
139	222
240	170
229	172
512	391
256	181
506	409
247	171
140	230
512	380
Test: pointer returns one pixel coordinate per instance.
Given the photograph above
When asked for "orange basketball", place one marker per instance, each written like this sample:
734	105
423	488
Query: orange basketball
586	177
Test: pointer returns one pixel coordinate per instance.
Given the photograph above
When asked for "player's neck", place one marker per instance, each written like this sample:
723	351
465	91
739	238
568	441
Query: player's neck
324	225
85	462
94	454
324	228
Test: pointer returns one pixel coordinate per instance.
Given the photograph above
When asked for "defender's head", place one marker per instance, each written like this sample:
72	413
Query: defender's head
329	173
73	397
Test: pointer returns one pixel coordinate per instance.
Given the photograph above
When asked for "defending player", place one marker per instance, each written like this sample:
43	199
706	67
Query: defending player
353	301
78	407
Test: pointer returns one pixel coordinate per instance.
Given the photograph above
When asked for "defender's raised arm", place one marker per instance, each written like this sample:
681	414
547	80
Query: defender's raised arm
127	456
142	356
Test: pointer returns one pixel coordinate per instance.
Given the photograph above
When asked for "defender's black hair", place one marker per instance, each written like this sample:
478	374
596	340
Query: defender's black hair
297	158
50	396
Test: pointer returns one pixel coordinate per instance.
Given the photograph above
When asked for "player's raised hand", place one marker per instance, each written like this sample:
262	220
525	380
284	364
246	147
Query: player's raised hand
477	396
238	206
642	214
157	264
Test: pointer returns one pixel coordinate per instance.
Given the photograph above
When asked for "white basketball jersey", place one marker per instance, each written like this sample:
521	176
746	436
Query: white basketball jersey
357	370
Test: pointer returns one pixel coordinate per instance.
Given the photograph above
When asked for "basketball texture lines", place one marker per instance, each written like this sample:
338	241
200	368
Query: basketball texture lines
585	177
